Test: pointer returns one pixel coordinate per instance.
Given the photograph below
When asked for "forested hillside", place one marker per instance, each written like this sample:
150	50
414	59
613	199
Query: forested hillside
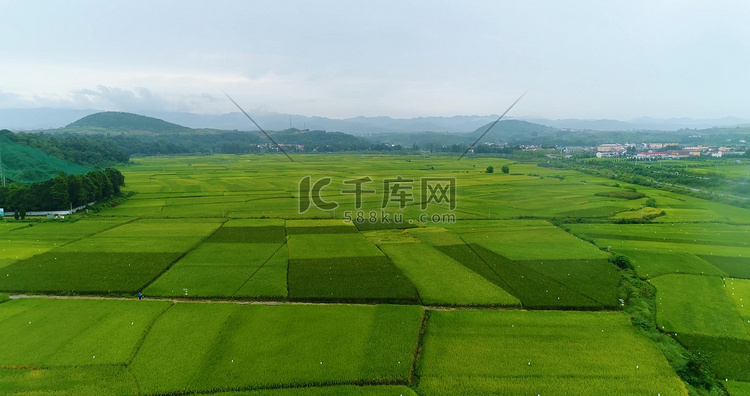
126	122
29	165
78	149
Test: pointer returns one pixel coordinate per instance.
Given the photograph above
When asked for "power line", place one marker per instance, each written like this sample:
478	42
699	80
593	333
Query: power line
492	125
261	129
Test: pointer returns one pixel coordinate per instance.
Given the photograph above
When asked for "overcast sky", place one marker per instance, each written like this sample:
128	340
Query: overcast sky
578	59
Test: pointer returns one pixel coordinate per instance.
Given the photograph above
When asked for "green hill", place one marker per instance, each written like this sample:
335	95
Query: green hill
126	122
28	165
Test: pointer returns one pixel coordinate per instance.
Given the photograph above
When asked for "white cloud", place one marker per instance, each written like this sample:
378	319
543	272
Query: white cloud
340	58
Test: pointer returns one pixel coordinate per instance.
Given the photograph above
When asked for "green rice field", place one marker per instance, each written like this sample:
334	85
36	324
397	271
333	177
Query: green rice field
540	352
244	294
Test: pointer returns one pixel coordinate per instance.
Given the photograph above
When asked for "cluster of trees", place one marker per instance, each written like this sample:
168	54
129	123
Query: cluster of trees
107	149
643	174
504	169
236	142
709	186
62	192
74	148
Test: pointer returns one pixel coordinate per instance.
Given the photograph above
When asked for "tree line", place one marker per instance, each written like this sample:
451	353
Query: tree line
62	192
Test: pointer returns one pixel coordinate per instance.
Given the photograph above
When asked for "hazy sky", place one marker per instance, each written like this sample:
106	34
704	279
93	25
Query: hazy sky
579	59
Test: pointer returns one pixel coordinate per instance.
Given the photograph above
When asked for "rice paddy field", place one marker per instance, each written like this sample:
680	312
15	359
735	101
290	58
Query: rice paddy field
378	283
515	352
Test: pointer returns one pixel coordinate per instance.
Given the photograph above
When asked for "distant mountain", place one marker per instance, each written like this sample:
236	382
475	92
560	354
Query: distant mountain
29	165
514	131
47	118
355	126
186	122
126	122
640	124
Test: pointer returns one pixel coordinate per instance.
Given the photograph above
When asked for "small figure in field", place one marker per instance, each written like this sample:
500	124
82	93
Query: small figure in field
140	296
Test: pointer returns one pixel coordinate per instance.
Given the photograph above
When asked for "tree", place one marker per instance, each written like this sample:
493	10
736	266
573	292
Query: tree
116	178
490	169
621	261
59	194
505	169
75	190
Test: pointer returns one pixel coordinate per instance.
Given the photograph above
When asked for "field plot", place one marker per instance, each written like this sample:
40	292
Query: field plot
539	290
19	241
85	272
539	192
69	381
295	227
340	390
705	310
342	266
739	292
689	234
226	270
728	357
702	211
359	279
656	249
651	263
512	352
148	235
441	280
736	388
123	259
199	347
736	267
43	333
527	241
595	279
250	231
321	246
244	258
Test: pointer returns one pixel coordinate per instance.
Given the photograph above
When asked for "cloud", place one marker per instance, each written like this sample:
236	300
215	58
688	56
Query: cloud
136	100
9	99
